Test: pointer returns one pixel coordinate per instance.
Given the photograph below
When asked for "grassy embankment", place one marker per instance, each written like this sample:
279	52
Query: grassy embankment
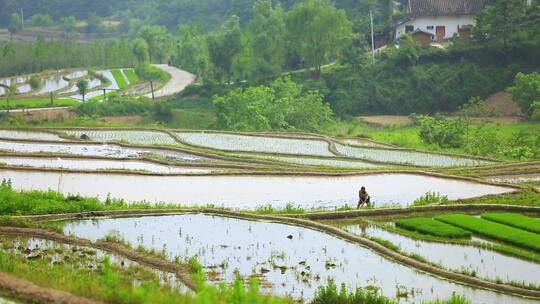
432	227
131	76
36	103
493	230
515	220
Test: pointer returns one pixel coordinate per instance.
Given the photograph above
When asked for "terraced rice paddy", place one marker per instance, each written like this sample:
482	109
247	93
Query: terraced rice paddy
288	259
363	142
96	150
245	143
132	137
483	263
515	220
328	162
83	258
432	227
249	192
408	157
29	135
98	165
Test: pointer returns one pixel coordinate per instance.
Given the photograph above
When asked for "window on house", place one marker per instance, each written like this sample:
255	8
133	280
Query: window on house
409	28
430	27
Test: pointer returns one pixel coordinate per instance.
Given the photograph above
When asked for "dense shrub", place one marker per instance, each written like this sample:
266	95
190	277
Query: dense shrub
526	92
283	105
331	295
115	106
443	131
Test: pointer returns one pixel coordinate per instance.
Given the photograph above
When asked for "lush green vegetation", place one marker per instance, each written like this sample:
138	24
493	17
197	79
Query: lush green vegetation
282	106
526	92
331	295
515	220
493	230
119	78
430	198
432	227
527	197
27	103
131	76
16	59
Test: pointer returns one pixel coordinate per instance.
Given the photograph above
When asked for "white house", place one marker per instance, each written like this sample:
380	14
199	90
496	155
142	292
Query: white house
442	18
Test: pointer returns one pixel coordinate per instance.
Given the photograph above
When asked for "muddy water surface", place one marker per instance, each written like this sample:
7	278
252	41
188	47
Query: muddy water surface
485	263
288	259
248	192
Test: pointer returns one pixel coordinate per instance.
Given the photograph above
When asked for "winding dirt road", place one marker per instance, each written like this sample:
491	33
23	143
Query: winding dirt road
180	79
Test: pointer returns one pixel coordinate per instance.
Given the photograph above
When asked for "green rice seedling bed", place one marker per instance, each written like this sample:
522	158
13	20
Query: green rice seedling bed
493	230
432	227
131	76
119	78
515	220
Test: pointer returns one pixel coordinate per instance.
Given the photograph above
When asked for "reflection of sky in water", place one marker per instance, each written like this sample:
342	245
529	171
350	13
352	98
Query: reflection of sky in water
251	246
486	263
112	86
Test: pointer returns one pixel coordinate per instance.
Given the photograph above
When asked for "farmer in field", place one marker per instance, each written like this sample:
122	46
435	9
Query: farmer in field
363	197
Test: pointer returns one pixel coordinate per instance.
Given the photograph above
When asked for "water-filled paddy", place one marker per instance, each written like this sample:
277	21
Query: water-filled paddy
484	263
289	259
337	163
408	157
132	137
98	164
251	191
233	142
30	135
102	150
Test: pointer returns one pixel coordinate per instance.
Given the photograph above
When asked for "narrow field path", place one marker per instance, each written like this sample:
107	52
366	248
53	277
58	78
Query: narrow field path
26	290
180	79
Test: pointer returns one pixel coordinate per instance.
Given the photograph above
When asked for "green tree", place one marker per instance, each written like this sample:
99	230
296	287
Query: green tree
140	49
82	87
500	20
68	24
93	23
224	45
157	39
318	31
192	51
42	20
15	25
282	106
267	39
526	91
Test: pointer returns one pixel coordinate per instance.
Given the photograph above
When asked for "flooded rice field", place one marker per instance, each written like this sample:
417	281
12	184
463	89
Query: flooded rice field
289	260
328	162
132	137
98	165
245	143
483	263
78	257
248	192
96	150
29	135
363	142
408	157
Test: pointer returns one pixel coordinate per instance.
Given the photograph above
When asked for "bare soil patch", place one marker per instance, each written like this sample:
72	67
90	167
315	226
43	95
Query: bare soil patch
503	104
42	114
122	119
386	120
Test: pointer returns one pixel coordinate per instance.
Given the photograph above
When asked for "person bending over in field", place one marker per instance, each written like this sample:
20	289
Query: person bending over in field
363	197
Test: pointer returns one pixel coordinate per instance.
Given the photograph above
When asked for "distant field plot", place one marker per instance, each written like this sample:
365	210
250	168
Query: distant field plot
246	143
493	230
515	220
432	227
36	103
408	157
30	135
132	137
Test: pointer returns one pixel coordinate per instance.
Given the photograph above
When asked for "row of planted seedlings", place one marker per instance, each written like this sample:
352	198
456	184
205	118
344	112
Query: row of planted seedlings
499	247
287	257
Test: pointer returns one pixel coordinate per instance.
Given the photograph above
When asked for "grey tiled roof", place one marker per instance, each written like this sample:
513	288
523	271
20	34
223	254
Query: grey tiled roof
420	8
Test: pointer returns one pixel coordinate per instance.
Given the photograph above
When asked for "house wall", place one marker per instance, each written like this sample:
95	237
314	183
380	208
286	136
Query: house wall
450	23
